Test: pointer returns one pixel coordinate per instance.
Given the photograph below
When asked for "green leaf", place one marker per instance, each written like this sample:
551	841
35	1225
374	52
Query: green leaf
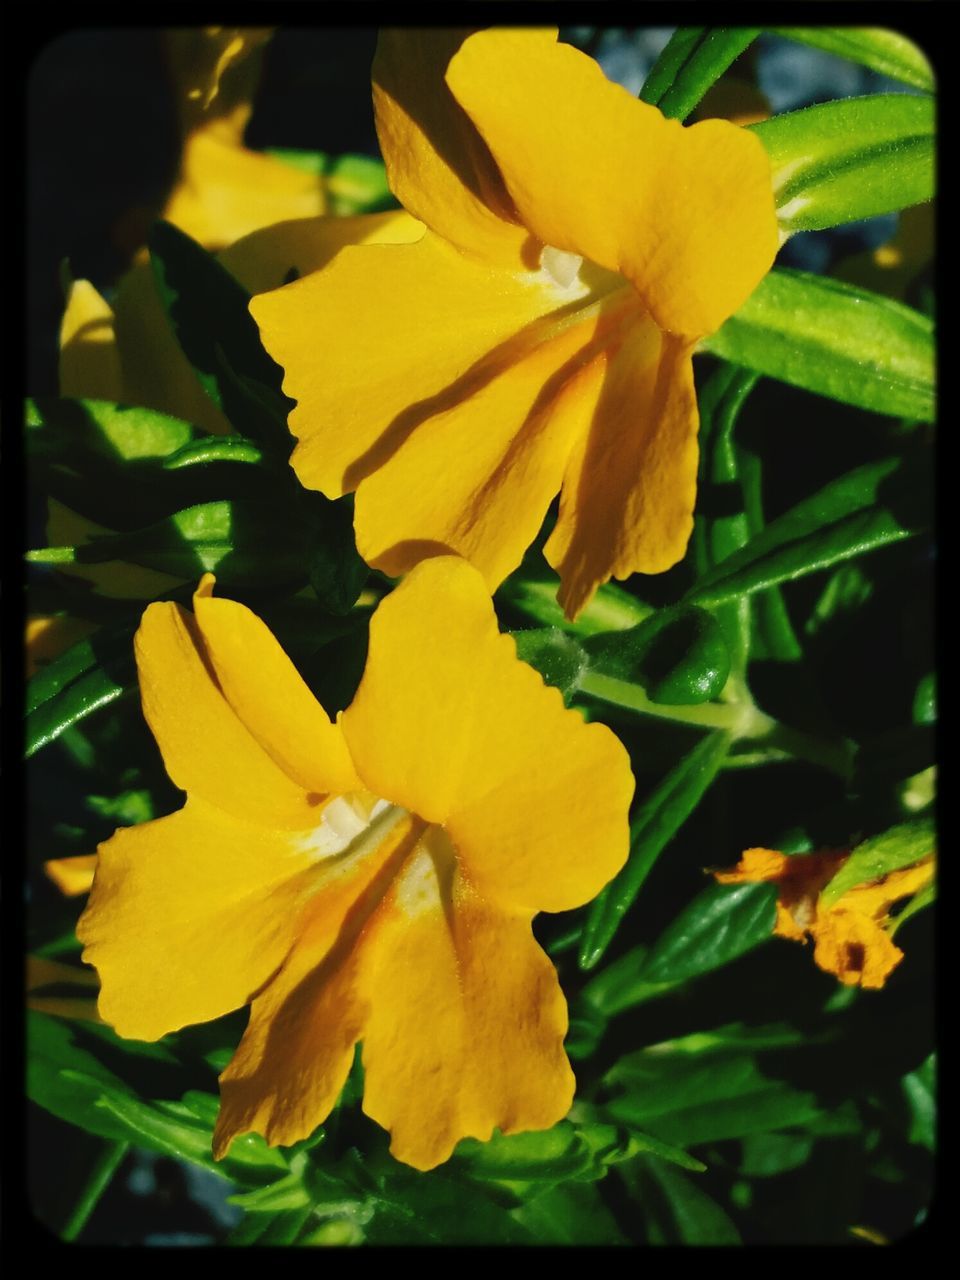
571	1213
694	58
358	184
213	449
721	526
535	597
336	571
766	1155
925	701
887	52
77	699
208	312
877	504
836	340
676	1210
126	433
282	1228
901	846
678	656
842	161
920	1089
655	823
709	1097
722	923
246	542
555	654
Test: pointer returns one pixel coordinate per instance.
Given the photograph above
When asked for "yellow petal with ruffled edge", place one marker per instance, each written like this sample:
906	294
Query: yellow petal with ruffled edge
477	478
466	1029
206	749
686	214
629	491
854	948
190	915
269	697
296	1052
389	335
448	723
438	167
89	359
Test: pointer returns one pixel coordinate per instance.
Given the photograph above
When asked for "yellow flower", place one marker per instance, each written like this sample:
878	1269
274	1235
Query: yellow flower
850	935
371	879
539	333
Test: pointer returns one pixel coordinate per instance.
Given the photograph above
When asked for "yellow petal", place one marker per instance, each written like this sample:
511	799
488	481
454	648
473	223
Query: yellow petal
387	336
295	1055
265	259
89	360
268	695
465	1030
875	899
686	214
72	876
629	491
855	948
189	915
156	373
437	165
225	191
450	724
206	749
477	478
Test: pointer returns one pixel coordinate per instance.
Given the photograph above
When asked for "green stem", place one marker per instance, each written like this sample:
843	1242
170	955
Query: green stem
740	718
97	1183
51	555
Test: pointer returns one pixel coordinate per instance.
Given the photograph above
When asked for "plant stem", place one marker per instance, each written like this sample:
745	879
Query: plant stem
97	1183
741	718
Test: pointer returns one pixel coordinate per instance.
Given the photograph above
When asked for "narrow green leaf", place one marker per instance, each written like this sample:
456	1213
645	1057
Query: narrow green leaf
679	656
836	340
126	433
571	1213
246	542
677	1210
693	60
213	449
655	823
920	1090
841	161
336	571
283	1228
887	52
901	846
78	699
926	897
558	657
877	504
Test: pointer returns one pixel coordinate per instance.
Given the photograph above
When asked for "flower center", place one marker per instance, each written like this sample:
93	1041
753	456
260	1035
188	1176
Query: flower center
355	827
562	266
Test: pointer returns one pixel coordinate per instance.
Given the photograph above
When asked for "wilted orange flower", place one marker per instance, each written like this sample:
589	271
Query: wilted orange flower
850	936
370	879
539	334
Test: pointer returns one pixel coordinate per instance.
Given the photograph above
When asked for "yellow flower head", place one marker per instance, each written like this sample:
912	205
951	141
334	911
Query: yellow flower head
370	879
850	935
538	334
